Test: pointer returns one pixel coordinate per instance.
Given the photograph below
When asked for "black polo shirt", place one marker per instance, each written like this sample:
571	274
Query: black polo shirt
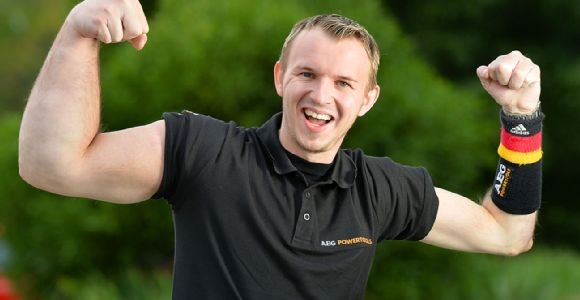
249	226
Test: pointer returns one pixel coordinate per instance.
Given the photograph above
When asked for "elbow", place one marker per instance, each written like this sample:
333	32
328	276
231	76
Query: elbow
40	174
48	166
29	162
26	170
520	248
24	173
30	173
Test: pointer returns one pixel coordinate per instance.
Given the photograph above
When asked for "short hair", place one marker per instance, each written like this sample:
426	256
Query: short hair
339	27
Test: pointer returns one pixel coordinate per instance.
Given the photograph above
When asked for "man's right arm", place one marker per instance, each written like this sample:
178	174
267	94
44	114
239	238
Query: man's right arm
60	147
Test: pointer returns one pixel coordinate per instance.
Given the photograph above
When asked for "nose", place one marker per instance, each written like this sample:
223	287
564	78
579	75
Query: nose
322	91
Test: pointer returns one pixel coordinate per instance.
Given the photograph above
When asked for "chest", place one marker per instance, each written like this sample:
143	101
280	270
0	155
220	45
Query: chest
259	205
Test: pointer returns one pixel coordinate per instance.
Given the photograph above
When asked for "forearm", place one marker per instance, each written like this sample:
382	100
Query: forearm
516	194
516	231
62	114
465	225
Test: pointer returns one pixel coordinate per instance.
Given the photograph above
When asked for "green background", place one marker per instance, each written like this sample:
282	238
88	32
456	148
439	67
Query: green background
216	58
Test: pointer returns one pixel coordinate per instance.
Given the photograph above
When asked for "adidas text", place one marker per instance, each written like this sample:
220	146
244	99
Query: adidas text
520	130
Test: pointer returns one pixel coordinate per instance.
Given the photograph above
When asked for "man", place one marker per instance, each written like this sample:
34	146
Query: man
280	211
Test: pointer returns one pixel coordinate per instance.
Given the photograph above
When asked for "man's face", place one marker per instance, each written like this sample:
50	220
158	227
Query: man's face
324	88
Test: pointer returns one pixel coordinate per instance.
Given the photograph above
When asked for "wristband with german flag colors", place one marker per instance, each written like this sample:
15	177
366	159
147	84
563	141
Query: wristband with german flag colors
517	187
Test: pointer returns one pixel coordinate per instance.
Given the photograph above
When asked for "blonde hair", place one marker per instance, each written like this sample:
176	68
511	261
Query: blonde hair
339	27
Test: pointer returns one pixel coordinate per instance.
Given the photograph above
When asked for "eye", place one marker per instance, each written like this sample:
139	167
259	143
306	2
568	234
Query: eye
343	84
307	74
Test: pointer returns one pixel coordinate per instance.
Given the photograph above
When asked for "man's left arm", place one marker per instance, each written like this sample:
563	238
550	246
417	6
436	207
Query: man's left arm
504	222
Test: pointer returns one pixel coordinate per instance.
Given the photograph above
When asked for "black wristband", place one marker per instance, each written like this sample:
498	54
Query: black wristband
517	186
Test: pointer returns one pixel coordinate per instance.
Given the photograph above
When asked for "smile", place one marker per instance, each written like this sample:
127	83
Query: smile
317	118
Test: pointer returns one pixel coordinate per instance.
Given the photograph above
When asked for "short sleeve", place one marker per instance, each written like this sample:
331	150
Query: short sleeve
192	142
406	201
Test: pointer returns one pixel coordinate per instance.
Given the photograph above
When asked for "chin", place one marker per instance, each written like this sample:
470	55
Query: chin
314	147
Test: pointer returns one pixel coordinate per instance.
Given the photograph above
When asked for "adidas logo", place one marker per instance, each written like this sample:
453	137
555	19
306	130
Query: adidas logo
520	130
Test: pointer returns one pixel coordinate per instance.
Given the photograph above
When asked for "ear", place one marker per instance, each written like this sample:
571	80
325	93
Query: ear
279	78
370	100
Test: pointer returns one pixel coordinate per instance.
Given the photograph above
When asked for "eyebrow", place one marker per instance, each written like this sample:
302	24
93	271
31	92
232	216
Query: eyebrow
340	77
346	78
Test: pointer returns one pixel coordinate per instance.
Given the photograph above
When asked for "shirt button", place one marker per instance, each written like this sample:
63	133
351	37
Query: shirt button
306	216
307	195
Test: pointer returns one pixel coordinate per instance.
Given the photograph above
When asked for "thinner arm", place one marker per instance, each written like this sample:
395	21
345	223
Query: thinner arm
513	81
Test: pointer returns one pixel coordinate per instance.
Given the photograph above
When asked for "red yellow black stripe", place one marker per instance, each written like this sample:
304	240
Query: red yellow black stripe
519	143
520	158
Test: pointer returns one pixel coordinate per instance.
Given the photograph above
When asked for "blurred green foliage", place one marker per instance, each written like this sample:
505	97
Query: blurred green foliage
408	272
24	40
216	58
128	284
455	36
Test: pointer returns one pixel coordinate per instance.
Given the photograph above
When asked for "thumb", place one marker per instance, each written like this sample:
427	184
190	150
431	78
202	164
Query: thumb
139	42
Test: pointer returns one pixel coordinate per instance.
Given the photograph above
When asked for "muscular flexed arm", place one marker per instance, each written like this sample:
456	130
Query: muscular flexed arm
505	221
60	147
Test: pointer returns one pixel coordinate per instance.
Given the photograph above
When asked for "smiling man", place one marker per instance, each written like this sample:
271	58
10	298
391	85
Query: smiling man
325	84
279	211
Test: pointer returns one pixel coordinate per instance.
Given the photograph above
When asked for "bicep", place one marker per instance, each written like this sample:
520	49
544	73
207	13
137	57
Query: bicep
123	166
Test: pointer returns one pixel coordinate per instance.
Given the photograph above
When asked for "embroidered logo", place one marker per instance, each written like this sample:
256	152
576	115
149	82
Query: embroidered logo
350	241
502	179
520	130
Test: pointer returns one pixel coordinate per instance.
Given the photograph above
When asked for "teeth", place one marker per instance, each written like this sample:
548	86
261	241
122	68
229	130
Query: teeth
317	116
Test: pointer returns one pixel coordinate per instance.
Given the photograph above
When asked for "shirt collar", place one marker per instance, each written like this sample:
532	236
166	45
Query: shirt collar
343	171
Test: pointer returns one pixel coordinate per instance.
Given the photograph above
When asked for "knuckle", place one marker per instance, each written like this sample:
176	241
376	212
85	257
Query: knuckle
108	10
504	69
519	73
99	20
131	33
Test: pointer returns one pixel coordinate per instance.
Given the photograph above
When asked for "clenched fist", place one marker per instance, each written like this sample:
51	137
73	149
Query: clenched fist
513	80
111	21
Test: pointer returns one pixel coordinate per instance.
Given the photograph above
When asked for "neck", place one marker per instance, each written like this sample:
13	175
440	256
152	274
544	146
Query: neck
321	157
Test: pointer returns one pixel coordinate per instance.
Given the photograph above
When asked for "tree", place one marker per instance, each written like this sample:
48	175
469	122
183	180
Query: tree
216	58
456	36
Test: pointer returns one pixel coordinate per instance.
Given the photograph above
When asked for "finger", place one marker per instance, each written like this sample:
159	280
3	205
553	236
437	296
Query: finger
115	27
502	72
533	77
139	42
520	73
143	18
482	72
131	27
483	75
103	33
144	24
501	68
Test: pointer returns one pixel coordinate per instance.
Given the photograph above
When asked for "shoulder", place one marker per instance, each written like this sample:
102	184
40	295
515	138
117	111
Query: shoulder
190	120
381	164
197	127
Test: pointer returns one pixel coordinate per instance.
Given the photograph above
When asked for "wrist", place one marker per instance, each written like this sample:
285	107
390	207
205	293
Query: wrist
69	39
521	115
517	187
